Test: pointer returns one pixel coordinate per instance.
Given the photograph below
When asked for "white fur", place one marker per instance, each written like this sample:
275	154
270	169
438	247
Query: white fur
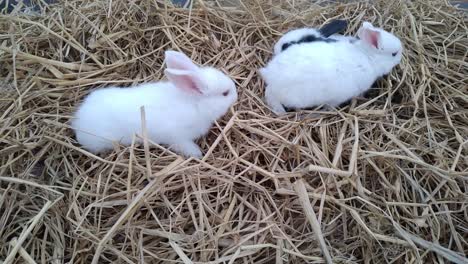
316	73
297	34
343	38
177	111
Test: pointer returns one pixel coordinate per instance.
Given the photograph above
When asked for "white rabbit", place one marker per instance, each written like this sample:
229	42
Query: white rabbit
327	33
178	111
316	73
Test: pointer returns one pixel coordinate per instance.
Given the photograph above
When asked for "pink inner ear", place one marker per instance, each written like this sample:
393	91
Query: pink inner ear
374	38
184	80
371	37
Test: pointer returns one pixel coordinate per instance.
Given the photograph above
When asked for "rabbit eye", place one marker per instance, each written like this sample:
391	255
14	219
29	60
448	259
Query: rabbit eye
225	93
394	54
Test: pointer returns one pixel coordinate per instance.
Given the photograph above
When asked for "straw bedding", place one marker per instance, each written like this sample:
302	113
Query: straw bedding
381	180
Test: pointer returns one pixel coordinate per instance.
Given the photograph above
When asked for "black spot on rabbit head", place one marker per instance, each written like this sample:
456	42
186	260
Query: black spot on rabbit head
312	38
287	45
306	39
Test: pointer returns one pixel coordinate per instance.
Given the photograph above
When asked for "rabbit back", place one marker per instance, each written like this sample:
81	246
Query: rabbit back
114	114
318	73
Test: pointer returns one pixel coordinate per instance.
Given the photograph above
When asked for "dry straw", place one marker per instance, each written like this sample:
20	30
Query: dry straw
382	180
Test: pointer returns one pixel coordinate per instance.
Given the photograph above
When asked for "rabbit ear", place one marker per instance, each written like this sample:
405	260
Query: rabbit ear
185	80
369	35
179	61
333	27
367	24
182	72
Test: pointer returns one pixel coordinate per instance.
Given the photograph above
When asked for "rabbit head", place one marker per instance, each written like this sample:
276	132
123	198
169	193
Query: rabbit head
212	90
385	48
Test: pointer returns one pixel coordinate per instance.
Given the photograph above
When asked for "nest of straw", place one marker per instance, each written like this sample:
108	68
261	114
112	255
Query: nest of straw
383	179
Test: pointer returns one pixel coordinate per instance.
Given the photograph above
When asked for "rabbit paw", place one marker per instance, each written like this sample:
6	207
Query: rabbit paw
188	149
275	105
